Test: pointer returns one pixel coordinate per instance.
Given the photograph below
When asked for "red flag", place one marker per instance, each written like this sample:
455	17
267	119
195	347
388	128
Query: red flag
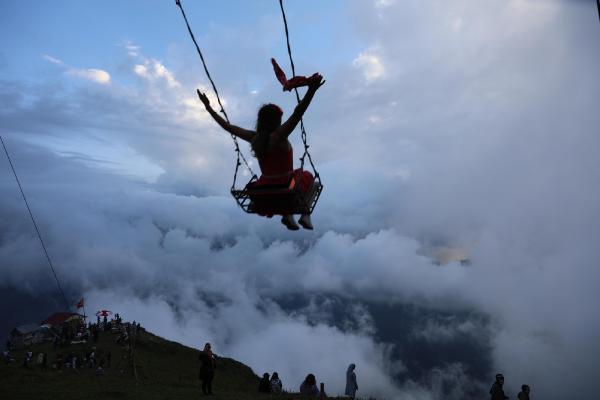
288	85
80	304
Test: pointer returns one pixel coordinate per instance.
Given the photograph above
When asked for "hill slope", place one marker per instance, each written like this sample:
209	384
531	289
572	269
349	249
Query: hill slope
164	369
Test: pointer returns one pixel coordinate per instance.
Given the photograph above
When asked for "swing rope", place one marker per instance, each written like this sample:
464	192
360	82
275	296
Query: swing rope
240	156
302	129
35	225
222	110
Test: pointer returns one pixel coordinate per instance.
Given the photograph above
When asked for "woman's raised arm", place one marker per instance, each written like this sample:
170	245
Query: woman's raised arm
314	83
242	133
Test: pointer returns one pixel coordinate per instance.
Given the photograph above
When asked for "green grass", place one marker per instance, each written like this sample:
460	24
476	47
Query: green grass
166	371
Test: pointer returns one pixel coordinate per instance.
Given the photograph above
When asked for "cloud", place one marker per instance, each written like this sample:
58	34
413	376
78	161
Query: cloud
445	330
383	3
140	70
53	59
91	74
153	69
370	64
132	49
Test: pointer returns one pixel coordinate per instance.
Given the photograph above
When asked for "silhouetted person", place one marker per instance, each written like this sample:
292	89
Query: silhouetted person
272	148
207	368
276	385
496	392
8	358
309	386
351	384
264	386
322	394
27	359
524	393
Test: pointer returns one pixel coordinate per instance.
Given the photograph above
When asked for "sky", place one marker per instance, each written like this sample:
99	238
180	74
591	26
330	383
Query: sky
457	234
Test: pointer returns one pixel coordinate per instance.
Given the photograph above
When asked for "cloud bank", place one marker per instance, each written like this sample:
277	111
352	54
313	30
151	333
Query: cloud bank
457	126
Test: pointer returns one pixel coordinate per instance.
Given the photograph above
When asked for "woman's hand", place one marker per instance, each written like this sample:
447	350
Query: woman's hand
203	98
315	81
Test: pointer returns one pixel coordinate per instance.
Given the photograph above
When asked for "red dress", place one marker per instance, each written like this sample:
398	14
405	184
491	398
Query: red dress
277	168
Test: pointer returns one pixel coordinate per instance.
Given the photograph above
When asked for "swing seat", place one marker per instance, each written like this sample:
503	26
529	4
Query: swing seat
272	200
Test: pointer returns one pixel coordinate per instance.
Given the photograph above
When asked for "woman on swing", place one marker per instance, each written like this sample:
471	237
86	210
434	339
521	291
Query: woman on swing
271	146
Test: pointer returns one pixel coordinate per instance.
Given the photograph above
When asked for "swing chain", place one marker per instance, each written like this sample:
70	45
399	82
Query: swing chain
302	129
222	109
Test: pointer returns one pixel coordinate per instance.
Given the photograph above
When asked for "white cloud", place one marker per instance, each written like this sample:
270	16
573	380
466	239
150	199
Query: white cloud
53	59
91	74
446	330
141	70
457	24
161	71
132	49
154	70
370	64
383	3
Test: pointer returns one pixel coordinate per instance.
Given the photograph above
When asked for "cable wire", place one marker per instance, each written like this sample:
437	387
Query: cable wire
35	224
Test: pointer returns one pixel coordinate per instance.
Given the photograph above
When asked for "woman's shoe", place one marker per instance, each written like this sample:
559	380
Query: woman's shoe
306	222
289	222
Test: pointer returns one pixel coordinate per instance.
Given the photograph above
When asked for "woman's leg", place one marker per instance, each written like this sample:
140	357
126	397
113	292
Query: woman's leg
289	222
306	222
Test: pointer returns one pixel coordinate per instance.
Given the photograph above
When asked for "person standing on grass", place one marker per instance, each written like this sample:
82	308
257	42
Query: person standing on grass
351	384
27	359
264	384
309	386
40	359
497	391
207	369
524	393
276	385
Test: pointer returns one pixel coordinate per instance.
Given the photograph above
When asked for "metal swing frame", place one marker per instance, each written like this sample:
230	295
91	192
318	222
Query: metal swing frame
277	199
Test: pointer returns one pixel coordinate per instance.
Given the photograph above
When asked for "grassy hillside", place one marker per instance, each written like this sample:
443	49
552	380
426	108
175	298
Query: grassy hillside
165	370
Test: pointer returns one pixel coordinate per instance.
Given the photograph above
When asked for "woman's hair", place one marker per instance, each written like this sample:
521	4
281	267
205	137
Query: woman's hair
310	380
275	375
269	119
